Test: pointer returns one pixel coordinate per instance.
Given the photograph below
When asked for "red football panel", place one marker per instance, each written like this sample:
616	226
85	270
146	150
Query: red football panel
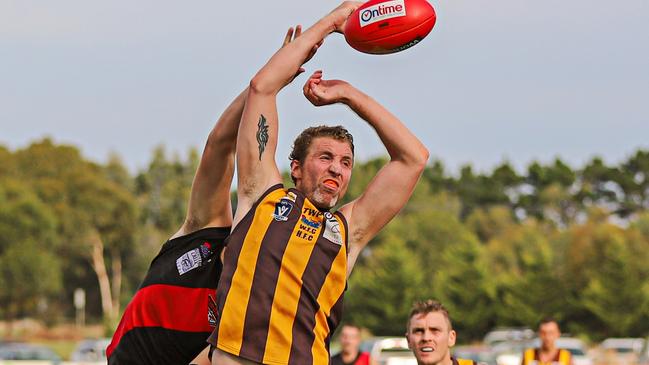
396	42
417	12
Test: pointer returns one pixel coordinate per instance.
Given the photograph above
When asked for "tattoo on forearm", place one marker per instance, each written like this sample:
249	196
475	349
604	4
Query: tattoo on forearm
262	135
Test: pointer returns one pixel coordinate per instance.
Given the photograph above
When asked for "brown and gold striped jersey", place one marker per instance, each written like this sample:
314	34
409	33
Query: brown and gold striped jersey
531	357
284	276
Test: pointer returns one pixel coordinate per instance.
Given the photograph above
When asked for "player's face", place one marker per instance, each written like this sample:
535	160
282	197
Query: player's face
324	174
350	339
549	333
430	338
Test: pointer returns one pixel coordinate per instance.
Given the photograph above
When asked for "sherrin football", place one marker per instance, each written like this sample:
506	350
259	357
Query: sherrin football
382	27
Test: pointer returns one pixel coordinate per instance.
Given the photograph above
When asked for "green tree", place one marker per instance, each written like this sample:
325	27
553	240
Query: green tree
464	285
97	216
524	265
382	290
29	274
617	294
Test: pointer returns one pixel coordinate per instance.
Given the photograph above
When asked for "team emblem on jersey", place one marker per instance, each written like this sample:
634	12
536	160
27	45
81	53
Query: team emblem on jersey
332	229
283	207
189	261
206	251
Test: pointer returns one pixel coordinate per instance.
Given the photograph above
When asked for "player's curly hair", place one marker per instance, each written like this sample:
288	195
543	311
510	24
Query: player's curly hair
303	141
428	306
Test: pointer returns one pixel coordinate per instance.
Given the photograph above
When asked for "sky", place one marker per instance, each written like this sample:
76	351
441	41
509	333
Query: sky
495	81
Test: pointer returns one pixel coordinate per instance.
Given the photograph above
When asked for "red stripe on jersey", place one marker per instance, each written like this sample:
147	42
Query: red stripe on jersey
165	306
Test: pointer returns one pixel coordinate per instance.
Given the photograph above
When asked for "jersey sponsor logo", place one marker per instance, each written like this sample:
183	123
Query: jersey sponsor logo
314	213
189	261
382	11
332	229
283	208
310	223
307	228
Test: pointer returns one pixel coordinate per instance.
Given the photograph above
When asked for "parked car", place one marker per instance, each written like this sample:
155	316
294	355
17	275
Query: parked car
479	354
616	351
27	354
643	359
91	351
509	352
576	347
389	351
507	334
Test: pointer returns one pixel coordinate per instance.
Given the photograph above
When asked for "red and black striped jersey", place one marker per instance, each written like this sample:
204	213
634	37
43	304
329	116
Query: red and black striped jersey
167	321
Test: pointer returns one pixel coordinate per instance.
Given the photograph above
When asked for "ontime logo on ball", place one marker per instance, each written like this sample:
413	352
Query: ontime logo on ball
382	11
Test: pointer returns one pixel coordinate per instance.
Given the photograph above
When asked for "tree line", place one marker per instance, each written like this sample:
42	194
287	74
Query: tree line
498	248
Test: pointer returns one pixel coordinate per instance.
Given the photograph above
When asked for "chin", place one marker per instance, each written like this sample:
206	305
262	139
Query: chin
323	203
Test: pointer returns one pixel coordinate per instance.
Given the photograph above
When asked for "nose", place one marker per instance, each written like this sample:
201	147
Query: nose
335	167
428	336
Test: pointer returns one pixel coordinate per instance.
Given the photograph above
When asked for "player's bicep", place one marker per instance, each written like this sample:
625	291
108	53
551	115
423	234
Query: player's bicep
383	198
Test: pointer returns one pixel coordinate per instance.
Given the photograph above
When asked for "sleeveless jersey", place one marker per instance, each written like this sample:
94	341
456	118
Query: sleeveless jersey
284	276
167	321
362	358
531	357
462	361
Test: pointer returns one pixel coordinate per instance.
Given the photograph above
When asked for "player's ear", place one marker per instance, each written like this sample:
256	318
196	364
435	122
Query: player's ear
451	338
296	170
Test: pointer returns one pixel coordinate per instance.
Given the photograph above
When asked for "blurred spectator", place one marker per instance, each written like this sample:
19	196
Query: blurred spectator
350	340
547	353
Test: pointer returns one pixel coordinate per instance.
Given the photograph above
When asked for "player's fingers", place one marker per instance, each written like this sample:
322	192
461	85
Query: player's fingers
287	38
298	31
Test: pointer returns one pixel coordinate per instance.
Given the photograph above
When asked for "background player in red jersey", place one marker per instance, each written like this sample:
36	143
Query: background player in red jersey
350	353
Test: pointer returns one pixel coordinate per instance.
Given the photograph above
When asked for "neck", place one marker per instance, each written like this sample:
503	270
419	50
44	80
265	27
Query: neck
548	349
446	360
349	355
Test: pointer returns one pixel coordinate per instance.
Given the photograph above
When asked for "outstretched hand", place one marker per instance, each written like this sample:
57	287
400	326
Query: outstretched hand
291	35
325	92
341	14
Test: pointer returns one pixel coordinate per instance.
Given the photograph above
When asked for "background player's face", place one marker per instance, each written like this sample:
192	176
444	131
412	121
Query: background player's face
350	339
324	174
549	333
430	338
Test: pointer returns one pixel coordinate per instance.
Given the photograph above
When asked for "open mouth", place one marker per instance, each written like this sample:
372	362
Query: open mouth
332	184
426	349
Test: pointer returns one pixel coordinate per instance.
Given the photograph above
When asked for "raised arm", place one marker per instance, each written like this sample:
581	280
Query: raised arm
392	186
257	140
209	199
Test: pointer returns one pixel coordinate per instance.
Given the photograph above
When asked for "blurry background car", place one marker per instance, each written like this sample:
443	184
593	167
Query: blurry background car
509	352
643	359
388	351
27	354
91	351
507	334
480	354
618	351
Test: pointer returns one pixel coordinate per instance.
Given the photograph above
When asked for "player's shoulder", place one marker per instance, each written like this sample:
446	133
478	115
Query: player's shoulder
464	362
